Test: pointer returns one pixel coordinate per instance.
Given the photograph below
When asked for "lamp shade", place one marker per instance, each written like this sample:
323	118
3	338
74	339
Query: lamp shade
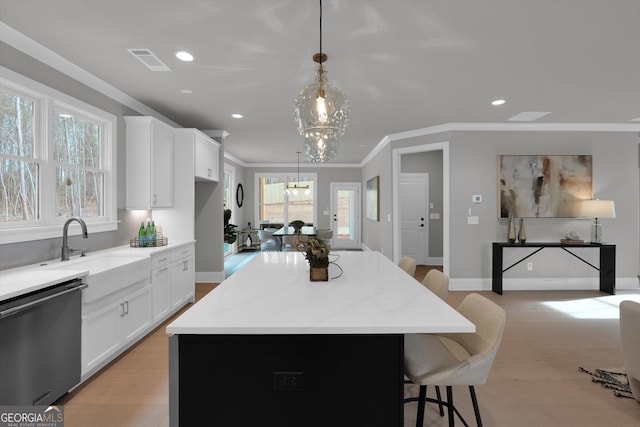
598	209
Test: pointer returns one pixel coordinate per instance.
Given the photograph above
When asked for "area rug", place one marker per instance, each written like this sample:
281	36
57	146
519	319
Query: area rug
611	378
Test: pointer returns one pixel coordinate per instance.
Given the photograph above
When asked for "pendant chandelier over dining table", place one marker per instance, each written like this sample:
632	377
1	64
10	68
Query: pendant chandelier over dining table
292	189
321	112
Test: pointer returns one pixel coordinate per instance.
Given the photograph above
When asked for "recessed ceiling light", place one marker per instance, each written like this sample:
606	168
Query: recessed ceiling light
497	102
184	56
186	91
237	116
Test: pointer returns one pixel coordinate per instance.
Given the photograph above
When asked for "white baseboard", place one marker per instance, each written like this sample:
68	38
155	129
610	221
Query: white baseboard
434	261
209	276
581	283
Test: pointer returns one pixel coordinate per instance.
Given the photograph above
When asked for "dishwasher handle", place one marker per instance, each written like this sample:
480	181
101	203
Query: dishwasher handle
15	310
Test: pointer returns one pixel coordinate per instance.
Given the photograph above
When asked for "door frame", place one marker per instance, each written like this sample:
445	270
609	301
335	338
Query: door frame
358	213
396	155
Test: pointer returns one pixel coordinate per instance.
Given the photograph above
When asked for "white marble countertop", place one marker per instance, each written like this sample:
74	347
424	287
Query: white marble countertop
22	280
272	294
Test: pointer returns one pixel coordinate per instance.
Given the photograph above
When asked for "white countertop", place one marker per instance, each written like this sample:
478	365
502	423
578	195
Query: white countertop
22	280
272	294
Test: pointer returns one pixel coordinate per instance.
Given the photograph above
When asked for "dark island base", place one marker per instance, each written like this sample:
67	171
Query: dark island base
286	380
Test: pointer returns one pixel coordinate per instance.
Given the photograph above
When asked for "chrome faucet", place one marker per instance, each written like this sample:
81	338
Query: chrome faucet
65	231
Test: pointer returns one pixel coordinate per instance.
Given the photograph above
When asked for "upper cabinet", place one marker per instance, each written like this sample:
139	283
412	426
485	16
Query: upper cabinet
207	158
150	145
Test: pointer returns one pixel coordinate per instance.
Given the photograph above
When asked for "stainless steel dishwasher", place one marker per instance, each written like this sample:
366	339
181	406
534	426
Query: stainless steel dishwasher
40	336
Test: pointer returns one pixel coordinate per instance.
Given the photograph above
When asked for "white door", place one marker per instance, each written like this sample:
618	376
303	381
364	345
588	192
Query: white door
414	219
345	215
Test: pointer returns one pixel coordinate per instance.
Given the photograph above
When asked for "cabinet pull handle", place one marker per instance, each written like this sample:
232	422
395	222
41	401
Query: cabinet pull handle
209	172
162	259
121	309
155	199
163	269
126	304
185	265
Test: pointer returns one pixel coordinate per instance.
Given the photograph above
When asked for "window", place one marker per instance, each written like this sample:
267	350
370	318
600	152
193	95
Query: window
279	205
57	160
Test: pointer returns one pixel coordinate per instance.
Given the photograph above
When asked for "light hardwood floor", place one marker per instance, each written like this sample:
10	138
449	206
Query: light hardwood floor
534	381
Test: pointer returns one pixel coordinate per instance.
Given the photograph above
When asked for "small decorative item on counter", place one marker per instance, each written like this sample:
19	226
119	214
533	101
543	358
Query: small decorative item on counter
572	238
149	236
142	236
522	236
511	232
317	254
152	238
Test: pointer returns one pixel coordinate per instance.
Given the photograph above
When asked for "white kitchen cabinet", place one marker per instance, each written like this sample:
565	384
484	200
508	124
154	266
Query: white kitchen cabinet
206	158
160	283
110	324
150	149
136	314
182	272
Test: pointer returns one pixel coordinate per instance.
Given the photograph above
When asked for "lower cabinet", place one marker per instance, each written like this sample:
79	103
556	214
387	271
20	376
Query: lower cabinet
161	283
112	323
182	289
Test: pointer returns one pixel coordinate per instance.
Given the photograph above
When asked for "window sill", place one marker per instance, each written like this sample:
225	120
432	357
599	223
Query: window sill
16	235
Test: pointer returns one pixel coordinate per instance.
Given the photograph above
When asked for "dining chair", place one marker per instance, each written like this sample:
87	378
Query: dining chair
437	282
408	264
629	326
324	235
455	359
267	241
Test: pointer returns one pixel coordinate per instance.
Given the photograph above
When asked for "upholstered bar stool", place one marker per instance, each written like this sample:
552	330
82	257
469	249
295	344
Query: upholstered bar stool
408	264
455	359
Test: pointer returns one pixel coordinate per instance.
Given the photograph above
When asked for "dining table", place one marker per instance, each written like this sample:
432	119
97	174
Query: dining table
268	346
304	233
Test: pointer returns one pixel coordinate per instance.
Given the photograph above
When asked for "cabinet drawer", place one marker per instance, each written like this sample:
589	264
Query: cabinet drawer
161	259
182	252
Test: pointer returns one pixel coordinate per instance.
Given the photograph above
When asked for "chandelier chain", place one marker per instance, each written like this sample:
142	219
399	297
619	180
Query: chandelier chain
320	33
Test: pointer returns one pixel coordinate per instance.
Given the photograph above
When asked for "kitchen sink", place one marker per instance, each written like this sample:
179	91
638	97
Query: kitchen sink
107	274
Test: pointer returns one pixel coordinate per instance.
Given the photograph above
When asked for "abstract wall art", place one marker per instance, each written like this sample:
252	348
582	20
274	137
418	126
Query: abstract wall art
538	186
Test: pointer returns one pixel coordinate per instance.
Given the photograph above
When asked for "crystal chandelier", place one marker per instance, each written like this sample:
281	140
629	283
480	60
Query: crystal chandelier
321	112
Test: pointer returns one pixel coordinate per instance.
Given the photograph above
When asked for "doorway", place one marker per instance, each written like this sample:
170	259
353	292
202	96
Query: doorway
345	215
396	158
414	216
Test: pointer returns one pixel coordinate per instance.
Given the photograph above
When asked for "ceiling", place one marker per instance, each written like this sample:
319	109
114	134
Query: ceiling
404	64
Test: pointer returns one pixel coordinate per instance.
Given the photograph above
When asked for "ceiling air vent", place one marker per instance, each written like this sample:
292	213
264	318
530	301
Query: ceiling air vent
149	59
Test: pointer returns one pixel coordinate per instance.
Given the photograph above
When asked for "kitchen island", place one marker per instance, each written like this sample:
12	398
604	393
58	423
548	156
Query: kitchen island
269	347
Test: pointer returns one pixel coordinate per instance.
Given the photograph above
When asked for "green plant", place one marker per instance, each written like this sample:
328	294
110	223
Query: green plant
230	233
317	253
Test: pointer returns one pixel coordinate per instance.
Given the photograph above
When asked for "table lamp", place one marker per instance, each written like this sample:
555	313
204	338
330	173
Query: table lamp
597	209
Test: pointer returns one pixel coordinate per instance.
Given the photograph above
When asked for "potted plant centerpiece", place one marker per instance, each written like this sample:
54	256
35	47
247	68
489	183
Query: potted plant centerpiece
317	254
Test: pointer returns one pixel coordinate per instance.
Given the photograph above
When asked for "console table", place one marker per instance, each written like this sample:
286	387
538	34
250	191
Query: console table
607	266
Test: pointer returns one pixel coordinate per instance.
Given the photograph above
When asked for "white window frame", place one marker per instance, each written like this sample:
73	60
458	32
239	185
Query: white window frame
285	175
46	100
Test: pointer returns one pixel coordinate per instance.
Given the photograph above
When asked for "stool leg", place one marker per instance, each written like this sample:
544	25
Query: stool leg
439	400
421	396
450	406
476	408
